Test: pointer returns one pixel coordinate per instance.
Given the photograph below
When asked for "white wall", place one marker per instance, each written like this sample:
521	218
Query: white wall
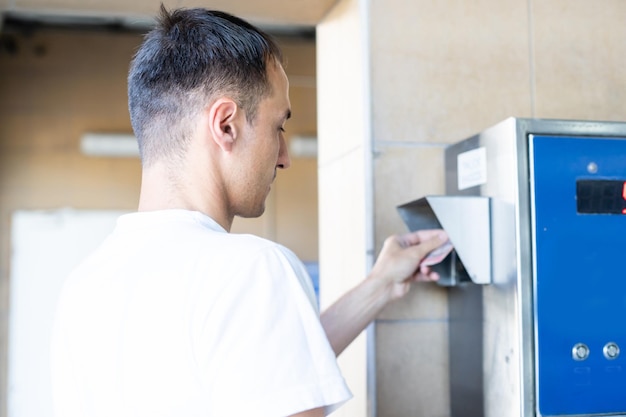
46	246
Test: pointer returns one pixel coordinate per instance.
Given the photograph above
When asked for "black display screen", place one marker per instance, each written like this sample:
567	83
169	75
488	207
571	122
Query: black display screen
601	196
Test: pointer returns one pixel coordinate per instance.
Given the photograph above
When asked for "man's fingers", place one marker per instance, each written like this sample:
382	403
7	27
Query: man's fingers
419	236
435	238
426	274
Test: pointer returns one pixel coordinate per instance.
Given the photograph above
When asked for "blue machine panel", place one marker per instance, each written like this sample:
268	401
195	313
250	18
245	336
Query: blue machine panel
580	280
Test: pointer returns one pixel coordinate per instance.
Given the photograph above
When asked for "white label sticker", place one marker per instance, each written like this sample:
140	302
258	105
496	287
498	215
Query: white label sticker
472	168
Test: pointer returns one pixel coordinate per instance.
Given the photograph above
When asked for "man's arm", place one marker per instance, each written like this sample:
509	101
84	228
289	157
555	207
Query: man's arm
396	267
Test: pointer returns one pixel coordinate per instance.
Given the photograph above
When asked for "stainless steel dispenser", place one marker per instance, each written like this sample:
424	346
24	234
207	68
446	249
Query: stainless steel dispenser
536	210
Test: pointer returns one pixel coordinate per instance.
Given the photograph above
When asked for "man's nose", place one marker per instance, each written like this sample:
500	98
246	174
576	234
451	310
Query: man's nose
284	161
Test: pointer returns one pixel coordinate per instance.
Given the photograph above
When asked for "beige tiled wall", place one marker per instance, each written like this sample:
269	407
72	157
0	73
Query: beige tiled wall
442	70
343	172
580	57
437	73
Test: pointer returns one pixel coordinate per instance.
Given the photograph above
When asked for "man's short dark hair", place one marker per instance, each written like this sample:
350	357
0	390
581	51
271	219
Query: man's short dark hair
191	56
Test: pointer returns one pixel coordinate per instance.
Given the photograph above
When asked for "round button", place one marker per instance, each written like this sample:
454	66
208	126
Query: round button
611	350
592	168
580	352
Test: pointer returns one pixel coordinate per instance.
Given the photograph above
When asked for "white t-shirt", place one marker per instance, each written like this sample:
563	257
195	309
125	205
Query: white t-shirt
173	316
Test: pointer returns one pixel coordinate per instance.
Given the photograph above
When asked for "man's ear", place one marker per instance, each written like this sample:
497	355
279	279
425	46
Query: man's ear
223	122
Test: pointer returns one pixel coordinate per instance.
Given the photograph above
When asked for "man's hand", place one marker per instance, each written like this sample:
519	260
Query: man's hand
397	266
399	261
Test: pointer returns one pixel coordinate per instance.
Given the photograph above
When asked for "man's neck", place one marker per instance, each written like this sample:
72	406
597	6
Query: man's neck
159	191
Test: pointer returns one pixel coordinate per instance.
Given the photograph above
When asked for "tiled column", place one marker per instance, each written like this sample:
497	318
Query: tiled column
344	172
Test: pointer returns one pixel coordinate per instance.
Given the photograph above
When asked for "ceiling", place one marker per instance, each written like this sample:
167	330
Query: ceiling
268	14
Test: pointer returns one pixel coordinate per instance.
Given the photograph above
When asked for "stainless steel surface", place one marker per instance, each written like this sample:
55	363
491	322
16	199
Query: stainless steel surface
492	329
467	220
499	303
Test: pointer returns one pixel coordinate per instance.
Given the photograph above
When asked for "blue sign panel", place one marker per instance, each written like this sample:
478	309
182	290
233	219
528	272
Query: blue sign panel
579	207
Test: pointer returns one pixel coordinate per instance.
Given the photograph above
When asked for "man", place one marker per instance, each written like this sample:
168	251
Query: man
173	315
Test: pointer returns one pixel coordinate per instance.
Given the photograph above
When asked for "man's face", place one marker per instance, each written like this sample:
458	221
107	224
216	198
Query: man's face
262	148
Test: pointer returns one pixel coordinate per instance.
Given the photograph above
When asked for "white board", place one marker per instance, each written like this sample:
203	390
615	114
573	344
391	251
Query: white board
46	246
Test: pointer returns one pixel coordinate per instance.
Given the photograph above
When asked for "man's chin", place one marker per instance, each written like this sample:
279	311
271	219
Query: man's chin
253	213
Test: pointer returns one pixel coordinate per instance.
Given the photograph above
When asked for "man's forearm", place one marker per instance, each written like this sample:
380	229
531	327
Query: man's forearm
344	320
397	266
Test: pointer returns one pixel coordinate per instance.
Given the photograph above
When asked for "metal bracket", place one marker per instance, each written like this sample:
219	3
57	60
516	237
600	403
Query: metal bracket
467	221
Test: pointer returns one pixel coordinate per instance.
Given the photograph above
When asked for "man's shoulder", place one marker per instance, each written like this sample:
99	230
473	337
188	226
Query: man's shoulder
255	247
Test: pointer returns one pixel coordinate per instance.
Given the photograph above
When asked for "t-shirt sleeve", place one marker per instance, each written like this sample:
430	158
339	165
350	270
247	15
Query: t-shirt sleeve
303	276
263	351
